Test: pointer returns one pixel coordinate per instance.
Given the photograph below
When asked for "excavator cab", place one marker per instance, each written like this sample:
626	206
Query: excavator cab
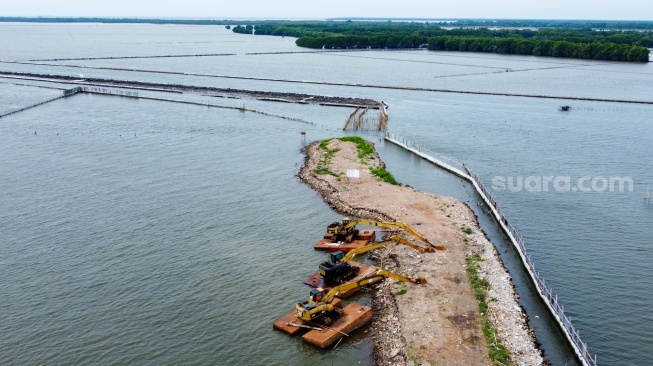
332	228
333	270
316	294
337	256
341	231
309	309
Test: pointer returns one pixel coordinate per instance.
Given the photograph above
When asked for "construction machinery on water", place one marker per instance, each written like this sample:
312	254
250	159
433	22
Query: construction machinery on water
323	312
337	269
344	235
318	306
324	315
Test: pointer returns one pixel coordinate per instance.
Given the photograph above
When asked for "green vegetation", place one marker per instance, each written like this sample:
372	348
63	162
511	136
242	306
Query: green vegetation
402	292
413	358
467	230
498	354
365	150
568	39
248	29
323	166
584	39
522	23
385	175
521	46
322	170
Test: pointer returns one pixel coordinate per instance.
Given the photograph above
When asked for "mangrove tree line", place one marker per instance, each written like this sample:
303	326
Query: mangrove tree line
583	43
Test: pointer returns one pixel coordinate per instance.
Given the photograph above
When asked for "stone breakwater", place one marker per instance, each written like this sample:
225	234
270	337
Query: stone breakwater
286	97
438	323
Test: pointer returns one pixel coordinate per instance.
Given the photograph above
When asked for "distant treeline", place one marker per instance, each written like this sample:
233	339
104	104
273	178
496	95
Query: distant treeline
614	40
520	46
556	42
248	29
524	23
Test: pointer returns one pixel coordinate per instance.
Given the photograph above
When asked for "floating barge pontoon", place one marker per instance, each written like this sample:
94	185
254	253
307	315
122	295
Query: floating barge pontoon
363	238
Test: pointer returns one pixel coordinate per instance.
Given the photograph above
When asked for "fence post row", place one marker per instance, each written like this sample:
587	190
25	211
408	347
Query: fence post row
547	294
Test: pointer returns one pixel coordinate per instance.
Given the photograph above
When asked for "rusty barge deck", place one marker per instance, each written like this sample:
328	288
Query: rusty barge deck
329	244
353	317
364	270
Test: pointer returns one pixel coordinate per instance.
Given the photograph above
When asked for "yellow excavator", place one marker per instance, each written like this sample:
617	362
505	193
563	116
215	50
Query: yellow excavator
346	231
337	270
318	307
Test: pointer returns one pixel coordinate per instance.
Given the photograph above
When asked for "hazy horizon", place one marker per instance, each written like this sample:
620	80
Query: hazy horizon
309	18
629	10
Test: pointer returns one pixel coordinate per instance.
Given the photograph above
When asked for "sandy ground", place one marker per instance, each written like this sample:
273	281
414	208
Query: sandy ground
438	323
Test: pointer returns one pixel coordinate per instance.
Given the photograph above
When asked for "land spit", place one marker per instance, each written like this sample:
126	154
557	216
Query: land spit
438	323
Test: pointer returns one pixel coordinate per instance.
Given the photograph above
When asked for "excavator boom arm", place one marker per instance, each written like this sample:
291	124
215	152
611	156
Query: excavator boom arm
392	240
364	249
351	285
405	242
391	225
308	313
419	280
377	277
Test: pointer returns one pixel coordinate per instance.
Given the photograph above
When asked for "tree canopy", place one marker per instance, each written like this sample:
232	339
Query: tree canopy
520	46
583	43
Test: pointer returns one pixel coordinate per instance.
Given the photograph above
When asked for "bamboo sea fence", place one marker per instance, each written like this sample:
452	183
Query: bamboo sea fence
364	118
556	309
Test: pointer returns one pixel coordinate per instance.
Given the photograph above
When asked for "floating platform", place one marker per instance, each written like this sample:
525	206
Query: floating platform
365	270
330	246
285	323
354	316
364	237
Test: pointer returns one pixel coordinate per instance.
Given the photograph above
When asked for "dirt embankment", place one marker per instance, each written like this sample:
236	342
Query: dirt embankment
438	323
211	91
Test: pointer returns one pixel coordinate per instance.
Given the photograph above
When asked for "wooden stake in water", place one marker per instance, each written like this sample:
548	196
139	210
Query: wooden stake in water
360	119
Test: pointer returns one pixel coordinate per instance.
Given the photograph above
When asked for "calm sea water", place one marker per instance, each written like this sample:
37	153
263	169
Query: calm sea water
152	232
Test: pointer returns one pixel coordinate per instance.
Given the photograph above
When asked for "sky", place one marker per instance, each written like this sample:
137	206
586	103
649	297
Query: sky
306	9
